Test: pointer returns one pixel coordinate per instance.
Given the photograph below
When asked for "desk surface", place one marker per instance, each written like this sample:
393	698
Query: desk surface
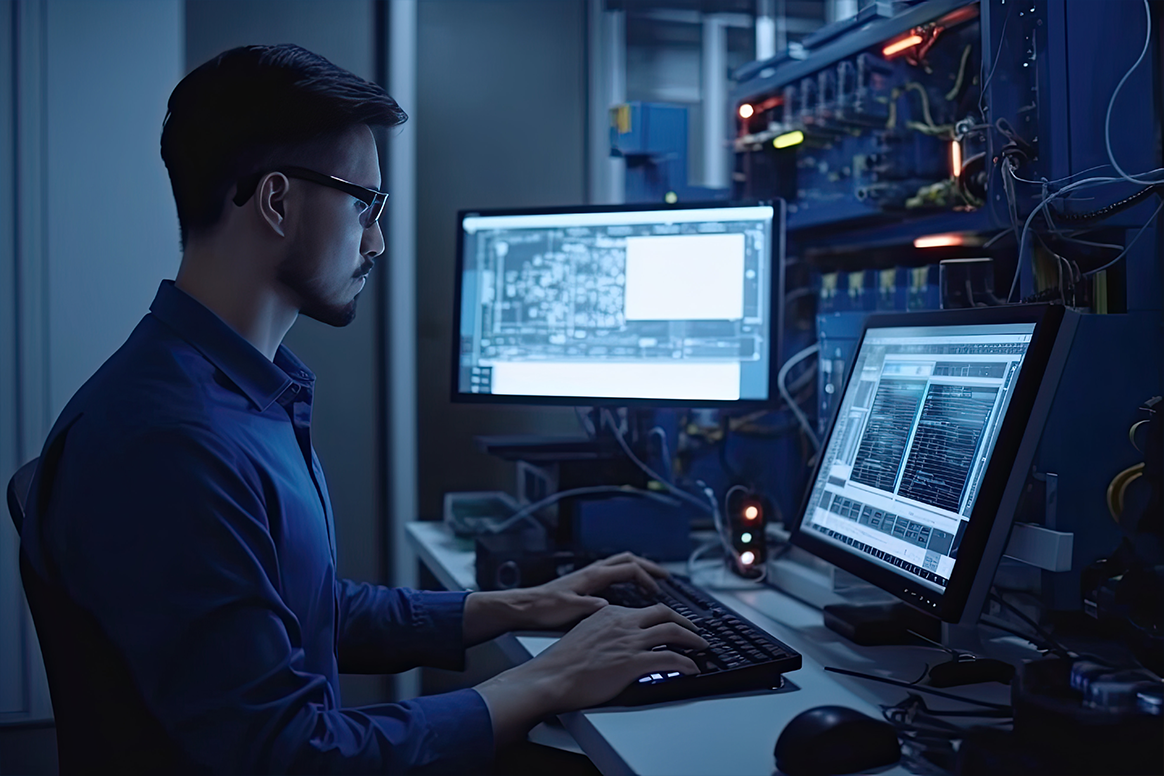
727	735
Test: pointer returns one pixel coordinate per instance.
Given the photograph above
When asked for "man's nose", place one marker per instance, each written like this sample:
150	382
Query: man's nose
372	244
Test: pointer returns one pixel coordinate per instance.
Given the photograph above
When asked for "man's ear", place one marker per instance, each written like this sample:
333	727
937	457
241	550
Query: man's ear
270	199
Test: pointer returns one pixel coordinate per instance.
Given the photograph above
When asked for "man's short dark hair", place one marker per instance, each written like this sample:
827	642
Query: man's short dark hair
238	113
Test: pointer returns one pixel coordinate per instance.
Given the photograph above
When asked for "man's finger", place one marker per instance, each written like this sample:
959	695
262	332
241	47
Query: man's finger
613	560
661	613
652	568
673	635
605	576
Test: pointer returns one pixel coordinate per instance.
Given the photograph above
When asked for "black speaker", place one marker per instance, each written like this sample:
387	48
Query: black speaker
521	559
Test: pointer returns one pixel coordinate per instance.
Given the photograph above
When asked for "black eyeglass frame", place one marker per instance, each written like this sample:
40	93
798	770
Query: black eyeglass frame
375	200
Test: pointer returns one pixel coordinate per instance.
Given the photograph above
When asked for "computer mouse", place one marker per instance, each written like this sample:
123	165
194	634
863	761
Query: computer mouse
830	740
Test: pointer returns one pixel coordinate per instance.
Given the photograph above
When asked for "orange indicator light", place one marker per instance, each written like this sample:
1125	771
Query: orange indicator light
901	45
939	241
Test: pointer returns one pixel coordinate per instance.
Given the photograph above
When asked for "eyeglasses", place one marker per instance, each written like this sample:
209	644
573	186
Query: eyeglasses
373	200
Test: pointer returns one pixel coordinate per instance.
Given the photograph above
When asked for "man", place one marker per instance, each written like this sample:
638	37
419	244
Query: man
186	510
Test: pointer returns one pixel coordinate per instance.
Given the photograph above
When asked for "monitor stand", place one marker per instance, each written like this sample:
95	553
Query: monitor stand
897	623
881	624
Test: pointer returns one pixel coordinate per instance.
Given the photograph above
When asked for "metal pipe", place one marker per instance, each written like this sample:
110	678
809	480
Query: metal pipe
607	52
402	471
715	108
765	29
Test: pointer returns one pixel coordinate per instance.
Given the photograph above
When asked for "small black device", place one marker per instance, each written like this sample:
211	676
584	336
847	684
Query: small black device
830	740
521	559
740	657
747	517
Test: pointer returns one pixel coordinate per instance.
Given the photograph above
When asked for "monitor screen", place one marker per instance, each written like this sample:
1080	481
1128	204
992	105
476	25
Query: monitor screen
618	304
928	431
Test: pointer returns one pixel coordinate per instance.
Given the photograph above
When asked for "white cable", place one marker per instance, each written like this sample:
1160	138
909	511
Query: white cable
1111	103
1066	236
526	512
694	556
800	416
989	78
716	516
1086	182
608	418
1044	182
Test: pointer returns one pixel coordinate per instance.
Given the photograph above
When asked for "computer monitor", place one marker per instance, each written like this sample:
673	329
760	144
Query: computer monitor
919	476
667	305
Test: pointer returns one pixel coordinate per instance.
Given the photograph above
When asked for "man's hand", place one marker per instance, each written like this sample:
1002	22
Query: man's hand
556	604
589	665
568	599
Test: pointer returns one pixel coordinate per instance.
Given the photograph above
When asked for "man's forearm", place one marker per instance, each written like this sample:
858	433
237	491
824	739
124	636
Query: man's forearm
489	614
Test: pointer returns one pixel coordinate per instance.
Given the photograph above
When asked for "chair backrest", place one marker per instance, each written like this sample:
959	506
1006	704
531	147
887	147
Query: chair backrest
18	489
103	724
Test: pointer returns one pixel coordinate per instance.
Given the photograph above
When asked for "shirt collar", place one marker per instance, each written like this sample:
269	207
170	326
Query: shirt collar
261	380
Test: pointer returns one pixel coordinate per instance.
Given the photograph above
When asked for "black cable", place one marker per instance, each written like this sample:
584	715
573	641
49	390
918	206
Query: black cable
915	703
908	686
1014	632
1056	646
1111	209
725	430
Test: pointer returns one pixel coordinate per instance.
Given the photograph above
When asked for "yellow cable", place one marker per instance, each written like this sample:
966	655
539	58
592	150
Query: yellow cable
925	100
961	74
1119	486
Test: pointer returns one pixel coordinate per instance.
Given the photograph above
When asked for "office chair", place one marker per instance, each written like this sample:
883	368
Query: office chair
102	722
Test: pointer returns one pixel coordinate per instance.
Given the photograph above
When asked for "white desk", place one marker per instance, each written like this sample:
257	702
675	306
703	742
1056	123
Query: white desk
729	735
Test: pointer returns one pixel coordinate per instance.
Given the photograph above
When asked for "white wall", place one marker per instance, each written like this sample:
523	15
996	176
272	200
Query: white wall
87	229
112	226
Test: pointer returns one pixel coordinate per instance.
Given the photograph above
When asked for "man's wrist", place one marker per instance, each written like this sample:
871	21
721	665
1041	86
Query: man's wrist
492	613
520	698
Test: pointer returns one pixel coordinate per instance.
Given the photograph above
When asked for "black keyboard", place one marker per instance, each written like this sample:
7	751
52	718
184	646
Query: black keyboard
740	656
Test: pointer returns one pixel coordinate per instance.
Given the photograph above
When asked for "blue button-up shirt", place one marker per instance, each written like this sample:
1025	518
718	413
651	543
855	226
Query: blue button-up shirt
190	515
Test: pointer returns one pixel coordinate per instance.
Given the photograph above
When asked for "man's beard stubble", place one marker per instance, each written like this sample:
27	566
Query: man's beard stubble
293	274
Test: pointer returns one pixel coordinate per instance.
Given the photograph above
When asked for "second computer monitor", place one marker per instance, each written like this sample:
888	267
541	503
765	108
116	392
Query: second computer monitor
919	476
667	305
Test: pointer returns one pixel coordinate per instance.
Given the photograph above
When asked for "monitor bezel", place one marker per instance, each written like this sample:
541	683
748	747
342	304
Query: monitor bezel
775	324
1014	444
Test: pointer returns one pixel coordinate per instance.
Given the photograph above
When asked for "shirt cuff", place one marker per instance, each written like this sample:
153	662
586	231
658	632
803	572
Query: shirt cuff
442	612
461	730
